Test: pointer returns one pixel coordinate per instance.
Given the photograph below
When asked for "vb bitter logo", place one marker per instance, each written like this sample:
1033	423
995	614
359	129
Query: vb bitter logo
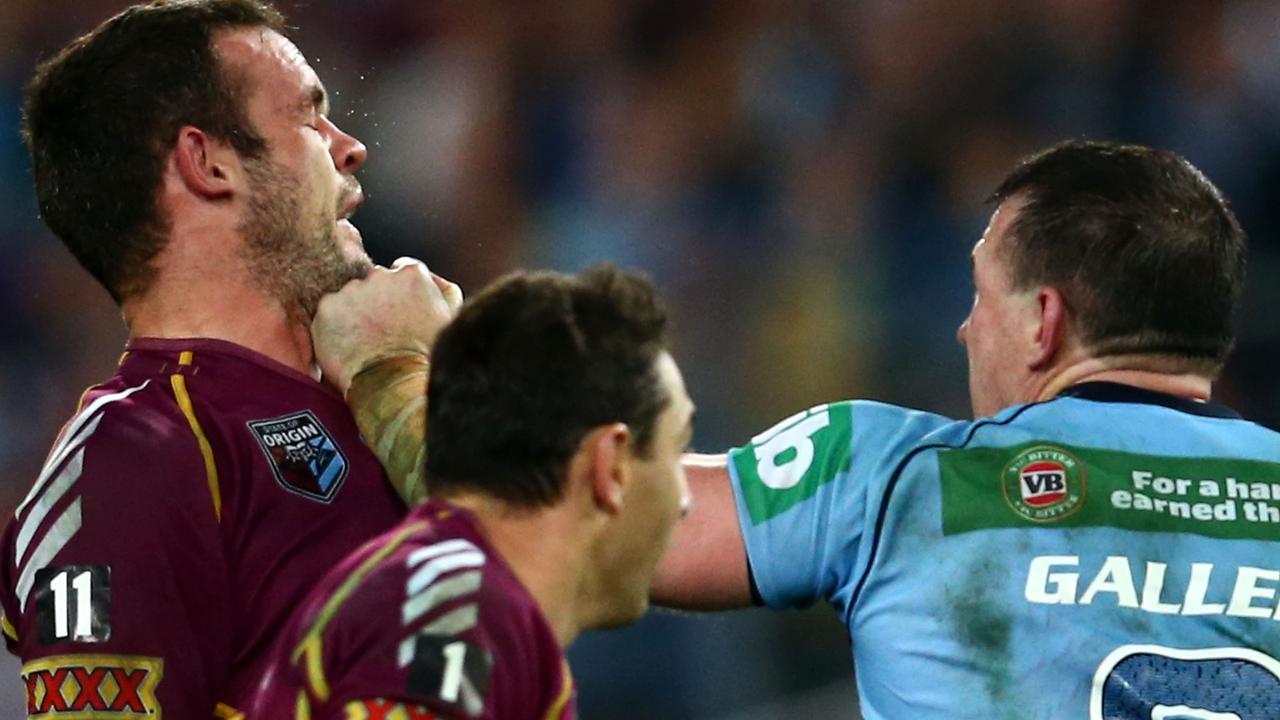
1044	484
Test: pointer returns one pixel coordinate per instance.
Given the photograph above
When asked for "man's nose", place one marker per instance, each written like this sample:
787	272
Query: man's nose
348	152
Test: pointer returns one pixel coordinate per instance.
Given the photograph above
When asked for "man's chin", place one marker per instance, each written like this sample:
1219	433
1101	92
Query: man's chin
626	612
338	275
358	266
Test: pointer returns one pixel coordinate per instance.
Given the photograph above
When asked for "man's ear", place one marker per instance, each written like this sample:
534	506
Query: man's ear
607	452
209	168
1051	333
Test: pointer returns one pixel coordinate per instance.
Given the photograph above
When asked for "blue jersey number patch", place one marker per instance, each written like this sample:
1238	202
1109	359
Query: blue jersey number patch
1150	682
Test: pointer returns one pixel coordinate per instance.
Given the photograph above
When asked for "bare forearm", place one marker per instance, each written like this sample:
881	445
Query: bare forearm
389	402
705	568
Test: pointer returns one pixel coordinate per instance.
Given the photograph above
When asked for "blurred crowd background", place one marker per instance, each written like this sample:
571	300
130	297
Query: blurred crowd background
803	180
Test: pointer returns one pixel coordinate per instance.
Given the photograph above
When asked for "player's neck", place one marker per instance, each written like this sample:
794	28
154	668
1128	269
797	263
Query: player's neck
1136	371
202	289
223	309
541	547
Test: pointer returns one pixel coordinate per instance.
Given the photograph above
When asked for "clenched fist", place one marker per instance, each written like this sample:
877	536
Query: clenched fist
396	311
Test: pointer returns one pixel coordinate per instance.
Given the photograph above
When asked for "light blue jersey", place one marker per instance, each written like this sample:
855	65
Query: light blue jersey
1112	553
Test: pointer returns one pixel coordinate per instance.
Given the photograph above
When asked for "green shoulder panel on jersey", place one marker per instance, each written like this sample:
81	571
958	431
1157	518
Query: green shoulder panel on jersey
1046	484
786	464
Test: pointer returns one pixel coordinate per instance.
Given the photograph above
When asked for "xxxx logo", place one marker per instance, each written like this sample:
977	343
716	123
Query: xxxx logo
70	687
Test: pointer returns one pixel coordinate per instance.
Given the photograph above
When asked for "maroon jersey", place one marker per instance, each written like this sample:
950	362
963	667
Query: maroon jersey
183	514
426	621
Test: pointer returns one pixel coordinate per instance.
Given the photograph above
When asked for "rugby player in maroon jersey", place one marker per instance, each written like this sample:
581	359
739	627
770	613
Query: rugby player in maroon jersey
183	153
556	422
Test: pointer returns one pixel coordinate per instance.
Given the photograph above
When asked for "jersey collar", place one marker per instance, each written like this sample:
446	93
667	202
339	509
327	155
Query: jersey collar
1111	392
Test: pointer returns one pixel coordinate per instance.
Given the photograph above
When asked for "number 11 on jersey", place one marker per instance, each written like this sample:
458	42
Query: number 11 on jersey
73	603
82	584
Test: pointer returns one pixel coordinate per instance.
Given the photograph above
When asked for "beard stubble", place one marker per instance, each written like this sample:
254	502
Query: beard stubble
293	257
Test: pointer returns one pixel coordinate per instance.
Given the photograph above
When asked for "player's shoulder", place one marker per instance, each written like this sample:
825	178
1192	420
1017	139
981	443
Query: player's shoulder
1104	414
430	602
876	420
127	441
835	433
127	410
115	466
435	574
466	614
131	423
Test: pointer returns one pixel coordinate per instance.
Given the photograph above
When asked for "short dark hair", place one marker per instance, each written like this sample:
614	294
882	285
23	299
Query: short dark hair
101	116
528	368
1147	254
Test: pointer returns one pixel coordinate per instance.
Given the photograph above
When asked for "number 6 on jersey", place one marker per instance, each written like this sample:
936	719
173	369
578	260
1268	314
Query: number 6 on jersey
1151	682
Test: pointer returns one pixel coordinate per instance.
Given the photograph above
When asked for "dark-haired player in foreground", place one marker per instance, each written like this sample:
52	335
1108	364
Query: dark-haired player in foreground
557	420
1102	542
183	153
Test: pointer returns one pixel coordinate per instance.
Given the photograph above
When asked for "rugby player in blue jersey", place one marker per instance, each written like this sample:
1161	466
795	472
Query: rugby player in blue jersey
1102	542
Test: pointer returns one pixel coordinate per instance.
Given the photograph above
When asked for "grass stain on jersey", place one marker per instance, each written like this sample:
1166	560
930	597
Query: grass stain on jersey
984	626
